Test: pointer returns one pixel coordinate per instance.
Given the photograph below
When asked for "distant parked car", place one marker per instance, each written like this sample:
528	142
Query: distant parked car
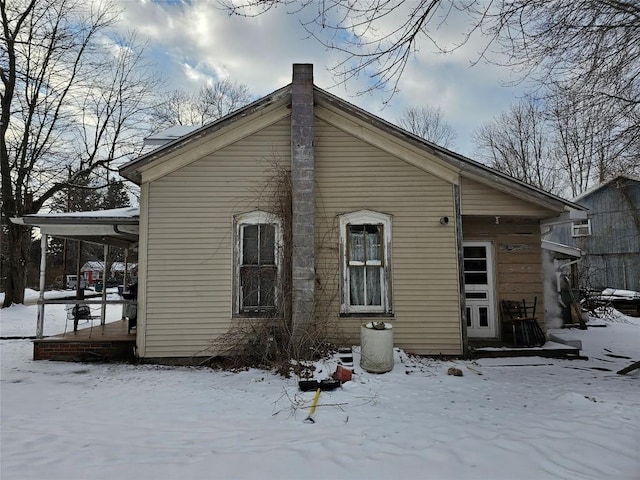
72	282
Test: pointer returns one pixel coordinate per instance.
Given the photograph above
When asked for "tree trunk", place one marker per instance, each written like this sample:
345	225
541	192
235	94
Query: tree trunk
15	282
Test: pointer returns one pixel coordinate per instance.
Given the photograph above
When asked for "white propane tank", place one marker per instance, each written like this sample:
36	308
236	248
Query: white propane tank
376	347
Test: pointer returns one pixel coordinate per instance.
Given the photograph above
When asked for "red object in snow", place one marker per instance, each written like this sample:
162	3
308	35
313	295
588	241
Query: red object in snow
342	374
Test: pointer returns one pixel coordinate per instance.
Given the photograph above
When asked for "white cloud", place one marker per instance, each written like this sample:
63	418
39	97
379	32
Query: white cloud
193	42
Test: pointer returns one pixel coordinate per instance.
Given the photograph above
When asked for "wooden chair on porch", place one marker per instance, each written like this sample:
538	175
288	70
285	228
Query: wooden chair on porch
526	330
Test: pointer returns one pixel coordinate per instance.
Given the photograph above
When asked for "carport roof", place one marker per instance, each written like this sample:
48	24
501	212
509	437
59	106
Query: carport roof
117	227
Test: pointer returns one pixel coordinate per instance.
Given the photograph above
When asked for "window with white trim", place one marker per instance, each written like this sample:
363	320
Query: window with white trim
581	228
365	238
257	263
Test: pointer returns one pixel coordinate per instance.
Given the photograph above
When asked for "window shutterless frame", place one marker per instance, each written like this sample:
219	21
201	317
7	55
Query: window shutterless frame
257	261
365	240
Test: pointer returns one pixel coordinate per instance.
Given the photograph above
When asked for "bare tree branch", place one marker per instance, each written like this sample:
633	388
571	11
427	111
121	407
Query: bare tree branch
74	100
213	101
428	123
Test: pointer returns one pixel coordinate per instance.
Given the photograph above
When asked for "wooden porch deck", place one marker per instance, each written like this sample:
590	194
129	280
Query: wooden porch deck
108	342
117	330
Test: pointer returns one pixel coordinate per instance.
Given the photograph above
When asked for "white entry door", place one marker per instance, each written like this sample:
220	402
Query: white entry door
479	289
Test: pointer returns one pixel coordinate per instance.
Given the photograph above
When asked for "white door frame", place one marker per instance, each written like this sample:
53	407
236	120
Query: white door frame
480	299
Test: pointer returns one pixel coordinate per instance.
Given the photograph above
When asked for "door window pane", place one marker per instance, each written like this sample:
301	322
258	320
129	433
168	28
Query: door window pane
475	252
475	265
484	317
475	278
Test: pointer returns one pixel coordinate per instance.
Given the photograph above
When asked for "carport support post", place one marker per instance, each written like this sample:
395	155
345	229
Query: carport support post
43	268
125	279
103	310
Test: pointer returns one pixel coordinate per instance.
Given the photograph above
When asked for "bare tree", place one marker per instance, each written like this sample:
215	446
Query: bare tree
592	43
428	123
211	102
517	143
73	101
590	48
586	140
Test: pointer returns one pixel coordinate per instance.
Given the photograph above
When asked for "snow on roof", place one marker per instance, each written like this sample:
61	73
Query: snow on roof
118	227
127	212
98	265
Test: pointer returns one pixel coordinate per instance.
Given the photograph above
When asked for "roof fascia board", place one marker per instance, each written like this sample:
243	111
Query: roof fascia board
36	221
89	230
195	148
381	139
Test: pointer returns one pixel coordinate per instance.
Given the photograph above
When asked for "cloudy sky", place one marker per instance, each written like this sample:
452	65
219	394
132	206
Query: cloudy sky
193	42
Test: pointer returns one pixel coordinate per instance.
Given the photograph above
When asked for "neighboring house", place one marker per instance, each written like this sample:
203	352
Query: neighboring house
384	226
92	270
610	237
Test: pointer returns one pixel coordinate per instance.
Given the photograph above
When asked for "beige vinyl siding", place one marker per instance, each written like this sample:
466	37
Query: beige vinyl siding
480	199
189	254
518	260
352	175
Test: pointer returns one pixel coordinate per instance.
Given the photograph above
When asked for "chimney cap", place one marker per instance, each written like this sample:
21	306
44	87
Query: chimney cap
302	71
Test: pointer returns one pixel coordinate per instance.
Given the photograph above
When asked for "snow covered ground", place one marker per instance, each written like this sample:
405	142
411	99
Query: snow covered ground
511	418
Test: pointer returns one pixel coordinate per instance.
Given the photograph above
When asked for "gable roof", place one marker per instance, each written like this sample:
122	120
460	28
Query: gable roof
605	184
447	160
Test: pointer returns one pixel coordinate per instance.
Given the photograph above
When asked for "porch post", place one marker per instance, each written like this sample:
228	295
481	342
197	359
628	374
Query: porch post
125	278
103	310
43	268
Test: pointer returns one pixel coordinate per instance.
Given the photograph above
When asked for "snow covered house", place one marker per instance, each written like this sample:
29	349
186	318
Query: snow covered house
93	270
383	226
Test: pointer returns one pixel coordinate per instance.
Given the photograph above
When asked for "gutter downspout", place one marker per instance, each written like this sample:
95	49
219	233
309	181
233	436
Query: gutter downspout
457	205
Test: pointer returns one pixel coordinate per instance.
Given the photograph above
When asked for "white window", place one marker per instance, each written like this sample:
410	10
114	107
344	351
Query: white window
365	238
258	240
581	228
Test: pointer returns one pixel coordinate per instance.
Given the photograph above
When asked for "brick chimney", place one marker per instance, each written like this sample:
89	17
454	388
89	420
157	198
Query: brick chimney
302	221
